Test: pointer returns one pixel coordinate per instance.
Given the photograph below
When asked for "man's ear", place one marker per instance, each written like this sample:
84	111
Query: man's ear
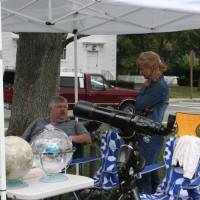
50	109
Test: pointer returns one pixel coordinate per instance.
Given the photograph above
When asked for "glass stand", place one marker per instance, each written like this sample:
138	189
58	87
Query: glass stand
52	178
16	184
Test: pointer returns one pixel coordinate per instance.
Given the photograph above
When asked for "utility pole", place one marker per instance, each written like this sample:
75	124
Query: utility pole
192	63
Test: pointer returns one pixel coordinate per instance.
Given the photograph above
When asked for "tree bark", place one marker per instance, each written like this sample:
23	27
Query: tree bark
36	78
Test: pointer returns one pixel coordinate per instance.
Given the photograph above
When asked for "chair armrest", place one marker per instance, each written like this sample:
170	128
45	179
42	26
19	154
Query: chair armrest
109	172
84	160
151	168
194	184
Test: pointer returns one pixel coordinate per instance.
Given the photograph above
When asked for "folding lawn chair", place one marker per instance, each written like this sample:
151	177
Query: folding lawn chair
187	124
175	185
106	178
181	161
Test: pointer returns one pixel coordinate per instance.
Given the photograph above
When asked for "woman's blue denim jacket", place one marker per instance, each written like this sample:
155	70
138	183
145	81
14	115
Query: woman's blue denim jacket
155	98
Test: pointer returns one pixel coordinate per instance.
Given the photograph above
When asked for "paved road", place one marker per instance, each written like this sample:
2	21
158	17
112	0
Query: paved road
179	105
185	106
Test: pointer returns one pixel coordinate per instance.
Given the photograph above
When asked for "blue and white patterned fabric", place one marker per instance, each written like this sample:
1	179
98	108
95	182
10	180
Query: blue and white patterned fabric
170	188
106	176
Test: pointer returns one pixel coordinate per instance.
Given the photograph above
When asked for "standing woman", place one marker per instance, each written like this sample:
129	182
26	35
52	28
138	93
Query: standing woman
152	102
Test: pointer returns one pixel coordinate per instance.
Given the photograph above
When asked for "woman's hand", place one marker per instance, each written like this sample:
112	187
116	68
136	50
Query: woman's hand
147	83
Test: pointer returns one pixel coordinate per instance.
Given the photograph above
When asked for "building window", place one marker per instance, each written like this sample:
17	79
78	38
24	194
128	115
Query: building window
64	53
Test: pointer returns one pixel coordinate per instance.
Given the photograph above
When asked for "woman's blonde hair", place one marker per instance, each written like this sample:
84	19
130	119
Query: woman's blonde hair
152	60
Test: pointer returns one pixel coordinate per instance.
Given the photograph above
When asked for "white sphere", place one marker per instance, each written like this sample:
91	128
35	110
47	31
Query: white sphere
19	157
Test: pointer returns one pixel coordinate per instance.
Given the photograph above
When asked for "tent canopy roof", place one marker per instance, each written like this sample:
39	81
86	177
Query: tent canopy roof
100	17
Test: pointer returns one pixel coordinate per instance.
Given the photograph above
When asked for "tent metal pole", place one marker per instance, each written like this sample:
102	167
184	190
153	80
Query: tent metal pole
75	67
50	10
75	11
2	131
76	79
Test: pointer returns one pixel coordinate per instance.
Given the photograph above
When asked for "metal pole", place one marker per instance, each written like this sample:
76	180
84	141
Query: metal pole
75	66
2	131
192	61
76	82
93	152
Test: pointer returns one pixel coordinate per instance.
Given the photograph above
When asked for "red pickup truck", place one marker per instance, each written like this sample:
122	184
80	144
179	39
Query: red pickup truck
92	87
8	81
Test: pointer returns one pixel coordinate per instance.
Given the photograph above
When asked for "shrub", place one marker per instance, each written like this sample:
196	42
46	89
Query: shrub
183	81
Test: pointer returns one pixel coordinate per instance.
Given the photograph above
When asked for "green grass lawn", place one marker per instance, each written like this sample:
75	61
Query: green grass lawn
179	91
183	92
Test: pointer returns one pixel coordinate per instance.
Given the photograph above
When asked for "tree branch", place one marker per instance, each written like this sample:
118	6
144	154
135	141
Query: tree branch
66	40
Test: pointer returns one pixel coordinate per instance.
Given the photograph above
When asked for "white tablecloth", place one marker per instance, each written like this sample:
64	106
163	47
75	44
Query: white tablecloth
40	190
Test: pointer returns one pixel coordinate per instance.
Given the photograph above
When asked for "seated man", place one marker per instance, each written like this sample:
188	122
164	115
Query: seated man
58	109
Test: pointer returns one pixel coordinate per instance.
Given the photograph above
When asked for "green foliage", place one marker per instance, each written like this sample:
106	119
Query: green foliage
184	81
125	56
174	49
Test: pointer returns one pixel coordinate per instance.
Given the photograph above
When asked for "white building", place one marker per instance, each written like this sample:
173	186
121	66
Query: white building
9	47
96	54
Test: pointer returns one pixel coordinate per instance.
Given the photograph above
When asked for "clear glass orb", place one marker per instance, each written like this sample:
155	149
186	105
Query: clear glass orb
53	151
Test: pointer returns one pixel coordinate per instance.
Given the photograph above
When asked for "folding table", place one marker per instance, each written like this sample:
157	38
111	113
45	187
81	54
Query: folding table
40	190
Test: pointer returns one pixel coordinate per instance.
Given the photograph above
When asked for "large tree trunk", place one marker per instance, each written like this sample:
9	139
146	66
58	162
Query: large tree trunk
36	79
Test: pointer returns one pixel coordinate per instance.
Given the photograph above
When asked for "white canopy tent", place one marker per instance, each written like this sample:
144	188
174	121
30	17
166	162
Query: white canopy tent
100	17
91	17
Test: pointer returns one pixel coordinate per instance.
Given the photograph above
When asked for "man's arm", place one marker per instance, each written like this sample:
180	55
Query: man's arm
83	138
82	135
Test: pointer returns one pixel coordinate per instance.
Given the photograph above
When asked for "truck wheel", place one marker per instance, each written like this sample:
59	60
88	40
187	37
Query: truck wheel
128	107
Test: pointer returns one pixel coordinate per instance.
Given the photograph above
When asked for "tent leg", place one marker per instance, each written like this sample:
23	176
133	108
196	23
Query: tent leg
2	132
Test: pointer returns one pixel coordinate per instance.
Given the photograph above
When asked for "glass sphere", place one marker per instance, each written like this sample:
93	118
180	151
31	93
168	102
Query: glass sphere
53	151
